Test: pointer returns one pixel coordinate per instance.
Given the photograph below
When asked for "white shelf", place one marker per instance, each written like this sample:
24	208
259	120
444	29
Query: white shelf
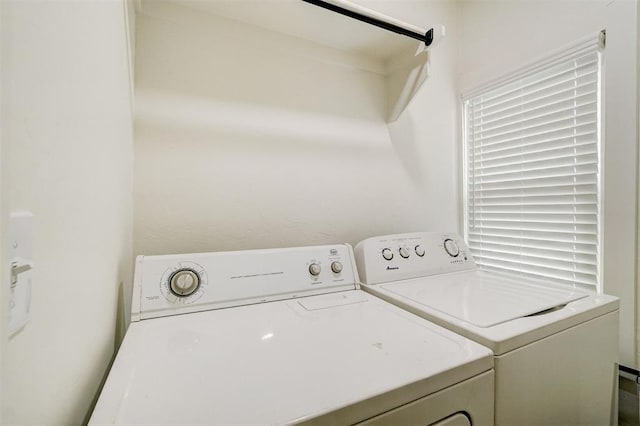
293	24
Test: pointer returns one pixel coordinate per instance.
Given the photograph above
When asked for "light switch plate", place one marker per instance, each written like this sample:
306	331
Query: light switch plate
21	252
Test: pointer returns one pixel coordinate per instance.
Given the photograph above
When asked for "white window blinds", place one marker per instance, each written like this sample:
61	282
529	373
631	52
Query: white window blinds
532	154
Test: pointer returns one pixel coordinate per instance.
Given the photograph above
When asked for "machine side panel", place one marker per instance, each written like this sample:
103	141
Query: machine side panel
568	378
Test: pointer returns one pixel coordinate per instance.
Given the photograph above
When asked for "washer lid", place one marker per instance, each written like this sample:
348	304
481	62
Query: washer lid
481	299
339	357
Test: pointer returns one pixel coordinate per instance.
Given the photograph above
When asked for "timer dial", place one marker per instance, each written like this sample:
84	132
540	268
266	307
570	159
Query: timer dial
451	247
387	254
314	269
404	252
184	282
419	250
336	267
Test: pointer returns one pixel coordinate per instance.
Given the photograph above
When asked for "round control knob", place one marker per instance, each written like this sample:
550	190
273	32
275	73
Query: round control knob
419	250
451	247
184	282
314	269
404	252
336	267
387	254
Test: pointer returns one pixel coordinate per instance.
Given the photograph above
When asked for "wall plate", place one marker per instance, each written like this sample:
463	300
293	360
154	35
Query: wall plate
21	252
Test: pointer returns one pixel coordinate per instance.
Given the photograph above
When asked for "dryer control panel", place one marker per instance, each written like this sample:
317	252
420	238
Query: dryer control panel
176	284
404	256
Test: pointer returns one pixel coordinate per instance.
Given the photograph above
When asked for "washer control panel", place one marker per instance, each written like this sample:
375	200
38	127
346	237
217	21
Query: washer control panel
403	256
173	284
184	283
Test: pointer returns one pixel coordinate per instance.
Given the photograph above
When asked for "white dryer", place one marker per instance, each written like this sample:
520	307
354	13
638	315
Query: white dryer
556	348
284	336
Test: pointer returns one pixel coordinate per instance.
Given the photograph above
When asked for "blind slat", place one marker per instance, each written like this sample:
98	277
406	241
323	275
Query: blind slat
564	191
531	230
554	204
579	87
532	222
537	164
526	87
537	113
559	210
552	276
537	183
521	243
523	82
554	123
560	98
566	259
574	138
581	143
534	264
541	237
566	129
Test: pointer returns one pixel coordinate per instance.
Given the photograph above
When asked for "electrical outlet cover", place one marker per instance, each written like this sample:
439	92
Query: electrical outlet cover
21	233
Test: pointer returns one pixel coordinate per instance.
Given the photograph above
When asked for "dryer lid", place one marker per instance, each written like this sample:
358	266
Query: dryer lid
483	299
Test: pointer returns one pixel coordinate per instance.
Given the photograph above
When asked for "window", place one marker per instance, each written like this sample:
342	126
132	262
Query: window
532	145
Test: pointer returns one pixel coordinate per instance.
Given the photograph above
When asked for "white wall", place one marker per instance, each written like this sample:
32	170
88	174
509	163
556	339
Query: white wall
243	143
499	36
425	135
4	202
69	136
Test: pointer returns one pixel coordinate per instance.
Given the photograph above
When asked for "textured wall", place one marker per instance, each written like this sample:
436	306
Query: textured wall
69	136
243	143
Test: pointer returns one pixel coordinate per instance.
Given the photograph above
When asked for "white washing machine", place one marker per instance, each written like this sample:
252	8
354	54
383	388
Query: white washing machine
556	348
285	336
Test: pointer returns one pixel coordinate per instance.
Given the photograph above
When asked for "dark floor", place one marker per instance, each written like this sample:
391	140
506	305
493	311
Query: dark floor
629	402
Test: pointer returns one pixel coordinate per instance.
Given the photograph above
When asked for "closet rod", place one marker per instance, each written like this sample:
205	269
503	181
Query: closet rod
379	20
